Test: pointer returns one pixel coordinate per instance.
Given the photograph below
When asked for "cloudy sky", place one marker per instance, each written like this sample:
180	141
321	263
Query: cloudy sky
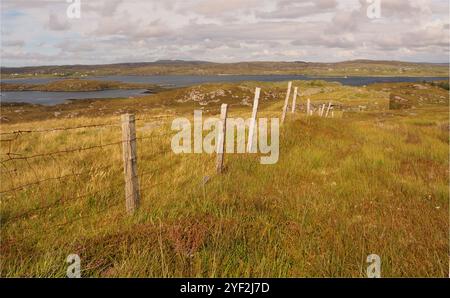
39	32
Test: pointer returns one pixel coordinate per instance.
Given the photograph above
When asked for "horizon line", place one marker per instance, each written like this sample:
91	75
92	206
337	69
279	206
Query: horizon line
213	62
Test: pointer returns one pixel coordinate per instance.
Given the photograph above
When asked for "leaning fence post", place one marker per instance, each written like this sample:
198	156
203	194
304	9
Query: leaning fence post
132	195
322	110
251	131
294	99
286	102
328	110
221	138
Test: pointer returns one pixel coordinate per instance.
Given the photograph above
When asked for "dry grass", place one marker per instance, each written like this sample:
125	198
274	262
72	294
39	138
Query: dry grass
370	182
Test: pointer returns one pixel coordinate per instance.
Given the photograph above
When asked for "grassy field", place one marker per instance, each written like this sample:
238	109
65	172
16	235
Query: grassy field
372	181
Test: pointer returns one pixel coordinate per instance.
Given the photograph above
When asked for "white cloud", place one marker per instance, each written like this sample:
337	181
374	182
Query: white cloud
222	30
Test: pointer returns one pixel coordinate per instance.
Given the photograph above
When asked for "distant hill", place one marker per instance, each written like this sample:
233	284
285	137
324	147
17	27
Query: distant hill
182	67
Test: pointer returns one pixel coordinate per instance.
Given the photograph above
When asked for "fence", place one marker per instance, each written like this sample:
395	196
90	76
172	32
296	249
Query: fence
14	164
128	145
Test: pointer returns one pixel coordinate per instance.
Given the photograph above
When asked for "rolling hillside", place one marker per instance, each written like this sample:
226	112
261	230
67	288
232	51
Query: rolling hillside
177	67
370	180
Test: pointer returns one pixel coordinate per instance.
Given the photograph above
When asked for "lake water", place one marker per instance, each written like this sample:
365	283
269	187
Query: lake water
183	81
52	98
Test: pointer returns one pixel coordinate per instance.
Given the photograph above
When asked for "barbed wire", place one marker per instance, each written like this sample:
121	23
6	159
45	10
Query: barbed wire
29	131
64	199
59	152
75	149
14	156
19	132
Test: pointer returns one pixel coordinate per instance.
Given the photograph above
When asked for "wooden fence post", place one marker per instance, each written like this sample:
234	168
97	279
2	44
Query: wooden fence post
221	138
251	131
322	110
328	110
286	102
132	195
294	99
308	107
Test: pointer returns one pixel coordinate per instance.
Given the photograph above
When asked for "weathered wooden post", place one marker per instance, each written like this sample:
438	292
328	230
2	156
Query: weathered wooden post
308	107
132	195
294	100
322	110
251	132
328	110
286	102
221	138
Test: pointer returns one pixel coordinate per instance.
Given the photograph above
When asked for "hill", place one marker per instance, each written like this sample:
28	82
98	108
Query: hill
370	180
178	67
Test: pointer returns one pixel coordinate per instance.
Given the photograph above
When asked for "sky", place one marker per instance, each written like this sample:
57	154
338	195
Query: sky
42	32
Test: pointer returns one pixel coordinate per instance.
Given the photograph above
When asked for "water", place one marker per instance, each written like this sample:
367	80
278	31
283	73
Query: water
189	80
52	98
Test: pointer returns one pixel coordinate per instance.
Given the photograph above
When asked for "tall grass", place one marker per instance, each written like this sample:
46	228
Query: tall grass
343	189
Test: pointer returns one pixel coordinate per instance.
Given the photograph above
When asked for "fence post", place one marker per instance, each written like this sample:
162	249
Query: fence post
308	107
322	110
294	99
221	138
132	195
251	131
328	110
286	102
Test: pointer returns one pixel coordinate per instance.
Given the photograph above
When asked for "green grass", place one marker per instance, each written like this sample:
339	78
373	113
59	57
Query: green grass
374	181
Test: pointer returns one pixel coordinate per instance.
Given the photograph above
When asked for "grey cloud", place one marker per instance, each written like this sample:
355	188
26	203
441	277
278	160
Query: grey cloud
133	28
14	43
56	23
402	9
217	8
329	41
287	9
104	8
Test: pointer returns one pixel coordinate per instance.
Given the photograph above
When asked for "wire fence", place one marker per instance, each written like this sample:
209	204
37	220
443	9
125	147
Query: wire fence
16	164
23	169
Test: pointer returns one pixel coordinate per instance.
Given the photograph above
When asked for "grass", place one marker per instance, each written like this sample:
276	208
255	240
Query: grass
373	181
